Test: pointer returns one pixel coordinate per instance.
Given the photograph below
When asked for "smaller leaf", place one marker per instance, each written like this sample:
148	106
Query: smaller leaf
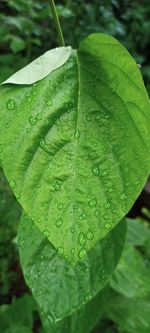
132	276
132	314
17	44
138	232
59	288
41	67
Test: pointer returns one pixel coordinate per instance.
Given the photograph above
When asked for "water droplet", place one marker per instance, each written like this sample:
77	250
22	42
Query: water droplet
60	206
123	196
10	104
110	190
82	216
28	94
42	142
88	297
106	217
12	183
95	170
49	103
59	223
93	203
88	118
61	250
38	116
81	239
90	234
107	205
72	251
77	134
58	122
32	120
105	172
81	253
46	233
56	186
107	226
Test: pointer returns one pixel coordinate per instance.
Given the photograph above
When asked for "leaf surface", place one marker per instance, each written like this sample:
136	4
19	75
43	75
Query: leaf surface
81	321
75	146
59	288
41	67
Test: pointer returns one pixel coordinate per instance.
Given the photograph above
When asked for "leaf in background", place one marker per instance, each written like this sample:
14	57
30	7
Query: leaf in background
81	321
18	329
132	314
132	276
41	67
59	288
80	140
138	231
17	44
18	314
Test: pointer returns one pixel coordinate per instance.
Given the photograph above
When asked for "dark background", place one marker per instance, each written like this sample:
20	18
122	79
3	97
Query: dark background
26	31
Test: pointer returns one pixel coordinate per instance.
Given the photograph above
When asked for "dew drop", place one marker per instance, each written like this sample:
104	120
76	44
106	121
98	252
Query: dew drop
95	170
90	234
107	205
42	142
46	233
58	122
77	134
32	120
38	116
81	239
93	203
12	183
81	253
61	250
82	216
59	223
107	226
56	186
106	217
10	104
88	118
123	196
60	206
49	103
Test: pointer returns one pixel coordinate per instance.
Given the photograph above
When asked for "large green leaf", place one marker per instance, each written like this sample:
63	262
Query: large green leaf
41	67
59	288
132	314
132	277
75	146
81	321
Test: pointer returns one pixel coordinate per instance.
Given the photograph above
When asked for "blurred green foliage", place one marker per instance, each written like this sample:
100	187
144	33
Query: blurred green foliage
27	28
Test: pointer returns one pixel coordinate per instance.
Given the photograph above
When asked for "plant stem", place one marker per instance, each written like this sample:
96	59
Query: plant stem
57	23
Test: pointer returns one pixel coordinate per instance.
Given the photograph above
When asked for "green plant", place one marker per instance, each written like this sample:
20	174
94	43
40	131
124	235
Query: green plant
75	150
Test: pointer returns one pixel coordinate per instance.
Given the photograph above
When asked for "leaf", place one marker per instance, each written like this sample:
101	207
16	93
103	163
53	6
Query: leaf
18	329
78	144
17	44
81	321
18	314
41	67
132	276
138	232
59	288
132	314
